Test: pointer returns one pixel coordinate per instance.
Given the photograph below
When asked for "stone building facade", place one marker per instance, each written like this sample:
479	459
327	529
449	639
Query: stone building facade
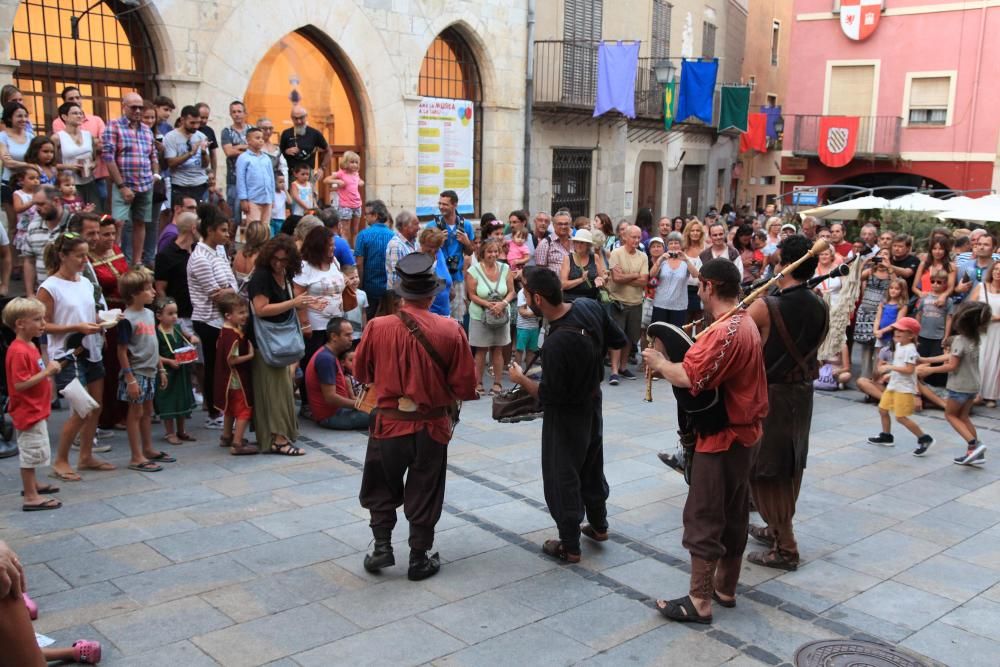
375	51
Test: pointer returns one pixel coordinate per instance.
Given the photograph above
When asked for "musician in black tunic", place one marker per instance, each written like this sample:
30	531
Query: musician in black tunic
579	336
792	325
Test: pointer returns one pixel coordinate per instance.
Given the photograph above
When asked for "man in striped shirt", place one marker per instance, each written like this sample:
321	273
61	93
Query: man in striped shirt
402	244
130	153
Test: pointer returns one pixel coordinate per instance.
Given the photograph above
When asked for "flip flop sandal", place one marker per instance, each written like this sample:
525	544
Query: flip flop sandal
496	389
772	559
162	457
148	466
555	549
594	534
682	610
728	604
47	504
32	607
86	652
47	489
480	390
172	439
186	437
244	449
103	466
65	476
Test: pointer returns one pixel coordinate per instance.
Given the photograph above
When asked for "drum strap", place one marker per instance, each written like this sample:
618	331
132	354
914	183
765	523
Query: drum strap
790	347
418	333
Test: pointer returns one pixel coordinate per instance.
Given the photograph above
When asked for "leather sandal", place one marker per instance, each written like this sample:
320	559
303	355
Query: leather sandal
594	534
243	449
761	535
772	559
557	550
728	604
682	610
225	441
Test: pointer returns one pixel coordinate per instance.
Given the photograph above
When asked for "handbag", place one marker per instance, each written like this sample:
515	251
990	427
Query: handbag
280	344
350	297
489	319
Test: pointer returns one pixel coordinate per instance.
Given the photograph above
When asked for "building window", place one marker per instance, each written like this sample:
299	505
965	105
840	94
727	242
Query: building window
772	100
449	70
661	29
110	56
571	180
929	100
581	34
775	34
708	40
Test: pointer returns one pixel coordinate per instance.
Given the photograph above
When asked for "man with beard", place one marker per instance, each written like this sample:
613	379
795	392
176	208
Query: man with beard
579	336
790	359
727	357
302	144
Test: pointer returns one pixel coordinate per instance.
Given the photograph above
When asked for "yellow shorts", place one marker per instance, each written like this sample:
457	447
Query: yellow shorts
898	403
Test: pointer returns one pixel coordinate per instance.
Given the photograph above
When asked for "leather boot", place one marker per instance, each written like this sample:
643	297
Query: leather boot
381	556
702	578
727	575
422	566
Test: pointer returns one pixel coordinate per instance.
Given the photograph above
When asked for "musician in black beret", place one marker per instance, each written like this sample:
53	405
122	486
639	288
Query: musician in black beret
727	357
580	334
793	325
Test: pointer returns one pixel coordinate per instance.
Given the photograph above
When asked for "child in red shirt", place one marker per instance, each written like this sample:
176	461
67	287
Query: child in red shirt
30	398
233	391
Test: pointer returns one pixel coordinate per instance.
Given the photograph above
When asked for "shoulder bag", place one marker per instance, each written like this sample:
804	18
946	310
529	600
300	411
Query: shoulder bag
489	319
280	344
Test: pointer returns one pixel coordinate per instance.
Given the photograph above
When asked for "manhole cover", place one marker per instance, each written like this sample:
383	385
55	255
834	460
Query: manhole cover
847	653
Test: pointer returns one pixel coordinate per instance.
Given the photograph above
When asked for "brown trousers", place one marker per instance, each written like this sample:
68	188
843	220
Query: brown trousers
775	499
424	463
717	511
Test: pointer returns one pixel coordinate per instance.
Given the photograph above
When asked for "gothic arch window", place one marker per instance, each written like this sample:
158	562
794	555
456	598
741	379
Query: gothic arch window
102	48
449	70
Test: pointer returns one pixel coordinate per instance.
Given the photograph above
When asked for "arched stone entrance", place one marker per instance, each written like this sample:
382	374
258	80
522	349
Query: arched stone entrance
303	68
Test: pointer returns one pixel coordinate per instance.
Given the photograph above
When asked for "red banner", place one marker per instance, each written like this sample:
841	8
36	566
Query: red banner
838	139
755	138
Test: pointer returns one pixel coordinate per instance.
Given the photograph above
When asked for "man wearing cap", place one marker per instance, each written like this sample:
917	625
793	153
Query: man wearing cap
419	365
579	336
729	357
331	399
792	327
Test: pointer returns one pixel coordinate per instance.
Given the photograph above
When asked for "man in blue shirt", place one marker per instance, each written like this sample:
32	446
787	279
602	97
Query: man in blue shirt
341	248
369	251
255	179
459	242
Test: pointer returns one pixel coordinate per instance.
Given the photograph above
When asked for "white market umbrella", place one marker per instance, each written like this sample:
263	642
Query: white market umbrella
919	202
851	209
982	209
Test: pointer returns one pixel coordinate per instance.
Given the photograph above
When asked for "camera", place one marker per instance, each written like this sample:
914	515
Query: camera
673	255
454	263
877	260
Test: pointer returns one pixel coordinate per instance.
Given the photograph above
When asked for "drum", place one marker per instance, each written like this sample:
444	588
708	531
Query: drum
366	399
186	355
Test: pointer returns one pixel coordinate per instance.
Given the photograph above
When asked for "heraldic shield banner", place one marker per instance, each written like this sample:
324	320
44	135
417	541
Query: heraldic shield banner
838	139
859	18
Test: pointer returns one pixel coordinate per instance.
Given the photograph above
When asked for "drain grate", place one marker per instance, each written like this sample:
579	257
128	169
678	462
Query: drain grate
849	653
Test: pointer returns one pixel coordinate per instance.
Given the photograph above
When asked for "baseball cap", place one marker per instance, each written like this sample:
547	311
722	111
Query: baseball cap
907	324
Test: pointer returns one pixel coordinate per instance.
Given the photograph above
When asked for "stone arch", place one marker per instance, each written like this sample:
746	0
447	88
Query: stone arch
472	36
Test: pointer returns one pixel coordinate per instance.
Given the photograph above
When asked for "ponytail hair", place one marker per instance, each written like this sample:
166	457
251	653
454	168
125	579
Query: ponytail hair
63	244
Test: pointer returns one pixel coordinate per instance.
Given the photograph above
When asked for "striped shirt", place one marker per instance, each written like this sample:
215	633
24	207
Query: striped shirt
39	236
397	249
207	273
550	254
133	149
371	245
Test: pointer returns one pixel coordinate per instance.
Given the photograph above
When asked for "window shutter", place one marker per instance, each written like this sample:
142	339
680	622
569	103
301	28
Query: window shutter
581	32
708	40
930	93
661	29
851	90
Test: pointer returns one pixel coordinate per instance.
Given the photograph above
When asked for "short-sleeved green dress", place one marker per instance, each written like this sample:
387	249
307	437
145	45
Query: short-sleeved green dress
177	400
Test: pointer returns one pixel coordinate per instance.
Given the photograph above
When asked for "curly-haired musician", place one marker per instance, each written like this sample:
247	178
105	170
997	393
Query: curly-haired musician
792	327
729	357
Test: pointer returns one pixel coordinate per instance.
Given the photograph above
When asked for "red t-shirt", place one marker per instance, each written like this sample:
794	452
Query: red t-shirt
731	356
34	404
391	358
323	369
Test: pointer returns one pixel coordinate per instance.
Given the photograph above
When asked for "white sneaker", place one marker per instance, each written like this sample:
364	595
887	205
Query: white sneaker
97	449
198	398
214	423
104	433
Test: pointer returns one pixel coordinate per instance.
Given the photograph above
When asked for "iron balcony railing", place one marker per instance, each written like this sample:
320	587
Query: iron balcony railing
878	136
566	78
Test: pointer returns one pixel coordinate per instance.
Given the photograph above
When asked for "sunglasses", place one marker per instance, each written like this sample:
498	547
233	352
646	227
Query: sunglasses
135	107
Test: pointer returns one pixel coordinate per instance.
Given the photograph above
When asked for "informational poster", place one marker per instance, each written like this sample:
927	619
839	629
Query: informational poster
445	131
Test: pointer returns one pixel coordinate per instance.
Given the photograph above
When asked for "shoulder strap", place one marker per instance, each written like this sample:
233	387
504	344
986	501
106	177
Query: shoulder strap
790	347
418	333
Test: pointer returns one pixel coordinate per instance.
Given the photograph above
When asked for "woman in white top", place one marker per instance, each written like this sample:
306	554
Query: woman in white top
77	151
831	286
694	245
671	271
14	142
321	278
71	308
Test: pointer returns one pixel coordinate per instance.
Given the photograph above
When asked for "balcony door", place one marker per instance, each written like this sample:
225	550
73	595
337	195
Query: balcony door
852	93
581	34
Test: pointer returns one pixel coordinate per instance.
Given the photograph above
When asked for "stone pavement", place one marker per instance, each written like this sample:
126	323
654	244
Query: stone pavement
222	560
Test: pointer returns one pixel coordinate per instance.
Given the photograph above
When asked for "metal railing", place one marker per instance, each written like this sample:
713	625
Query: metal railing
566	77
878	136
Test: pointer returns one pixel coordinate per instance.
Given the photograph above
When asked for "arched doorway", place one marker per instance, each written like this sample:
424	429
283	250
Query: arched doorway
302	68
449	70
102	48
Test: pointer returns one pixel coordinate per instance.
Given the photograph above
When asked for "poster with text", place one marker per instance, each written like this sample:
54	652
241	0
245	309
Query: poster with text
445	131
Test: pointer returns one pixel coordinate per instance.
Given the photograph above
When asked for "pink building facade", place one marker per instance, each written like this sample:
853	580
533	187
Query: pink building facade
923	85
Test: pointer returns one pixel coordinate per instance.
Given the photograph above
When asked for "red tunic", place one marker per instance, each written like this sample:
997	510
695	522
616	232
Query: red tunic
732	357
228	339
391	357
108	270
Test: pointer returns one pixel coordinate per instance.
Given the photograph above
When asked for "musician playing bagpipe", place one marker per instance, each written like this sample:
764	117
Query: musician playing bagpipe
728	357
792	325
